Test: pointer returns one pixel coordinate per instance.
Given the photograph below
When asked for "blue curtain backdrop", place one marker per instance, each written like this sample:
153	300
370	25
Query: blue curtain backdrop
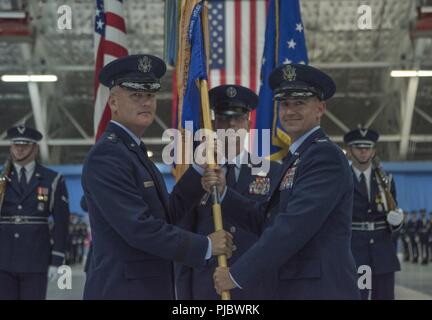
413	184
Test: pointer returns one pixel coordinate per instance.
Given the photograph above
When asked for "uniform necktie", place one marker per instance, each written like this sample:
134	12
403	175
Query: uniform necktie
230	175
23	180
363	186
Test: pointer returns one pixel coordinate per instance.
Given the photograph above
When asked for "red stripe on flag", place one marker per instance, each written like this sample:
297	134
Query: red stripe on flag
106	117
253	53
222	76
237	40
115	21
114	49
253	46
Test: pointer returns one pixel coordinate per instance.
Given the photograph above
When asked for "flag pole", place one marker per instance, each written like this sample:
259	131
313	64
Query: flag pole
205	110
216	207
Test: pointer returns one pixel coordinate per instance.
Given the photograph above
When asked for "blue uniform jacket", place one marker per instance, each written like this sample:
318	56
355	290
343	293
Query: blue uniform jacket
373	248
131	214
198	283
424	230
306	238
26	244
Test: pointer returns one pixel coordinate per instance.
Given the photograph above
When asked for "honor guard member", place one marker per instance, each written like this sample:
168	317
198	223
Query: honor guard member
84	207
131	214
430	237
373	223
307	226
424	231
81	239
29	254
232	105
69	247
412	228
405	238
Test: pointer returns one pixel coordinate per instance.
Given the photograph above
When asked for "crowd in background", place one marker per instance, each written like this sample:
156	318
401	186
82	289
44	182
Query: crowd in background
415	236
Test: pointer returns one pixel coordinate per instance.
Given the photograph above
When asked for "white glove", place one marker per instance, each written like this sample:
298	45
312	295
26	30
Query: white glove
52	273
395	217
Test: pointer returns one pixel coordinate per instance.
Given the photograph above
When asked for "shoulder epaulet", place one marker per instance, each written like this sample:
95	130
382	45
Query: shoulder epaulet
112	137
47	172
326	139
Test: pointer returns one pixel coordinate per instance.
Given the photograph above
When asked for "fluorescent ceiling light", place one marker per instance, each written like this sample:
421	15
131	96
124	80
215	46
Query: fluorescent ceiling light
403	73
29	78
425	73
12	14
426	9
411	73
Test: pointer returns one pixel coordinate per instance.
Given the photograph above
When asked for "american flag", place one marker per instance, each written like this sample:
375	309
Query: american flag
237	30
110	44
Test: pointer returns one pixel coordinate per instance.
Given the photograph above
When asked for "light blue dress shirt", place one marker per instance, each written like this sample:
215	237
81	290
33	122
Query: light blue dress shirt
296	144
132	135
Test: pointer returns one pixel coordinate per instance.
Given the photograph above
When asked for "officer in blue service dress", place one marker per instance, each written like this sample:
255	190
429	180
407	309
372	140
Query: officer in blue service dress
430	237
307	227
373	221
29	254
412	232
84	207
134	242
232	105
424	230
405	238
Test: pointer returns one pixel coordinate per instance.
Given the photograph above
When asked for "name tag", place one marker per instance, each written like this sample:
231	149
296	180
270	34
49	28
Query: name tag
148	184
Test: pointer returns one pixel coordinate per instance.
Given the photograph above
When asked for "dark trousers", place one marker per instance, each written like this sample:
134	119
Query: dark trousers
406	250
382	287
424	250
430	250
23	286
414	249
